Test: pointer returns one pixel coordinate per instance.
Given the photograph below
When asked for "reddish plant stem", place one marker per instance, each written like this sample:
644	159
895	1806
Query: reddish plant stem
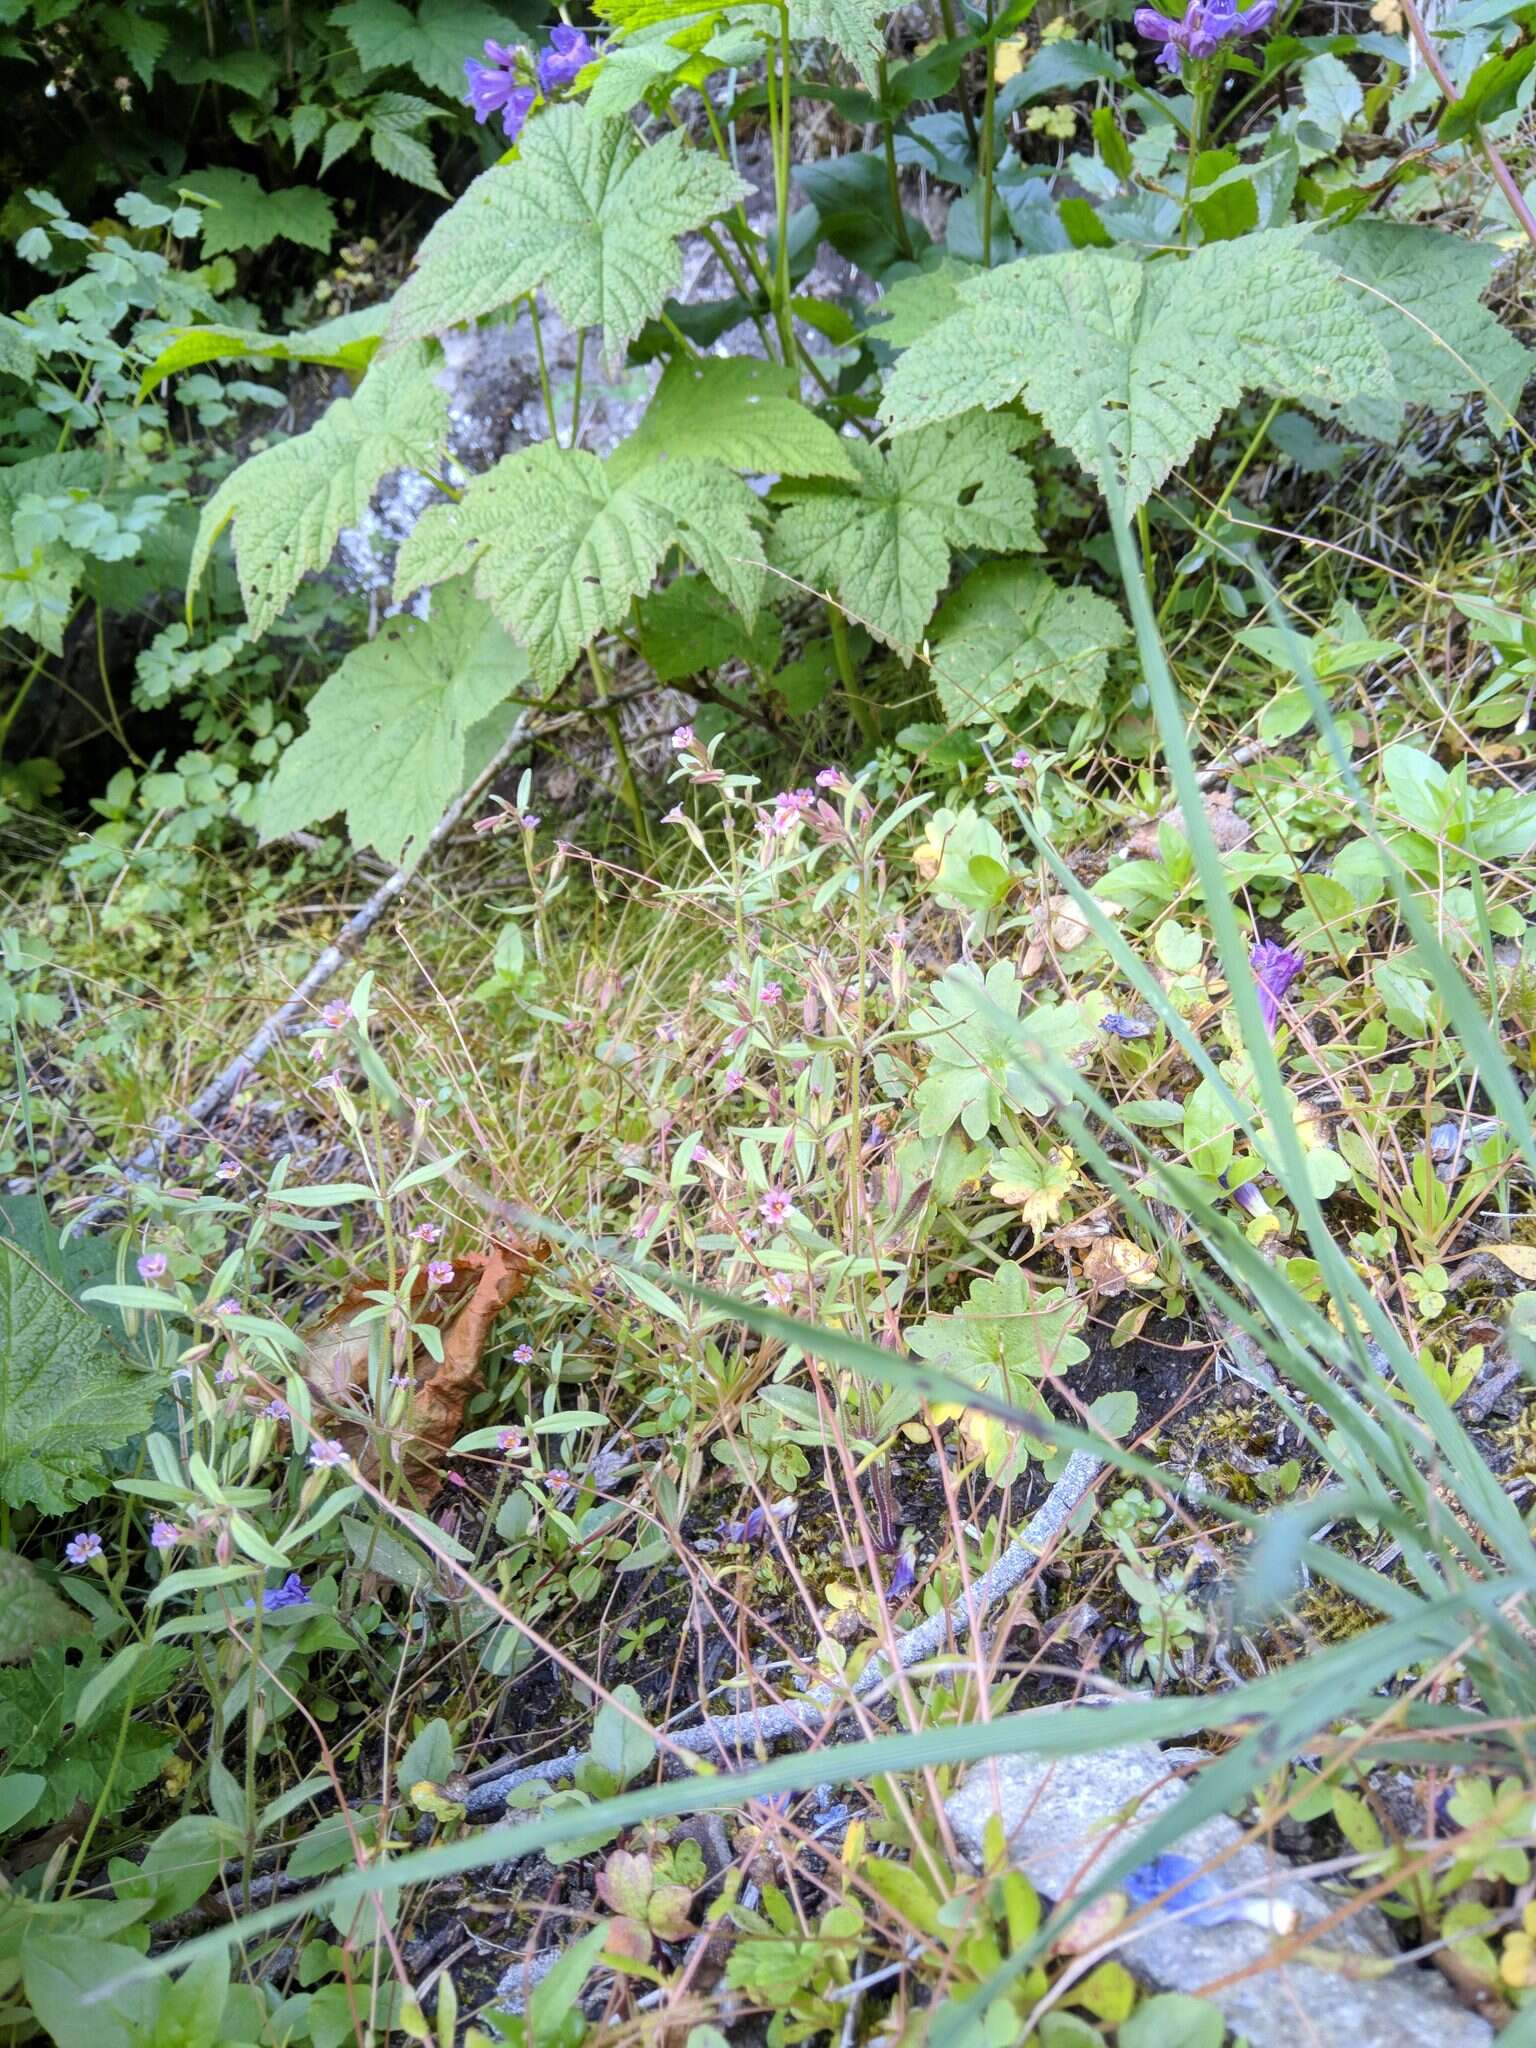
1503	177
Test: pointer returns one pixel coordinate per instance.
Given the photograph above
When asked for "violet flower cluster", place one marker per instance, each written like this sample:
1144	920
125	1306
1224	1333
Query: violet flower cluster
500	84
1206	25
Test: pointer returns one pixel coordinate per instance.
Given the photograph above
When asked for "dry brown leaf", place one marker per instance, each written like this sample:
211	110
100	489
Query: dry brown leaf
1227	829
1115	1263
482	1286
1519	1258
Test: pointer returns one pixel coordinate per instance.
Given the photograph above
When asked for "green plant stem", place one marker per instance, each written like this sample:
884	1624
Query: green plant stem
892	178
988	150
23	690
947	17
581	366
629	789
101	1798
779	121
538	349
1204	89
864	712
1255	443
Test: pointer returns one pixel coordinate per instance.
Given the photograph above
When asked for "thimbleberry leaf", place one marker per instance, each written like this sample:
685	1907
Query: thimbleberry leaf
1130	364
388	732
66	1392
740	411
1009	632
1420	290
587	213
432	41
290	502
561	544
884	550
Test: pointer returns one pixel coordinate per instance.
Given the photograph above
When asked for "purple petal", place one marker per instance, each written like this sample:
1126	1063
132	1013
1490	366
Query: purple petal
903	1579
1274	967
568	55
519	106
1126	1027
1157	28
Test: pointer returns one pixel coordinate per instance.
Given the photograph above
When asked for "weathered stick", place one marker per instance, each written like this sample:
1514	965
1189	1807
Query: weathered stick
145	1163
723	1736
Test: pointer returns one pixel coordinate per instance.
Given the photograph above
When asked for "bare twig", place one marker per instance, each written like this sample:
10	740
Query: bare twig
724	1736
145	1163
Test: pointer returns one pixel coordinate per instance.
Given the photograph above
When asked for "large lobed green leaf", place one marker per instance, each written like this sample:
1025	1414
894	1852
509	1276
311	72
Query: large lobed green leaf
884	550
389	731
290	503
1421	292
561	545
1130	364
433	41
1009	631
587	213
67	1394
740	411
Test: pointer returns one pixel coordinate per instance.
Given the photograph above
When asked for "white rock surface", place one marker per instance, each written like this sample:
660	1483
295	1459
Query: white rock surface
1063	1817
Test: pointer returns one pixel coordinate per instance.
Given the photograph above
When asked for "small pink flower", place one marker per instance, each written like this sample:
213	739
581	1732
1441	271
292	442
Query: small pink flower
440	1273
682	738
556	1478
780	1290
402	1382
529	821
427	1233
733	1080
676	816
227	1169
164	1535
335	1016
456	1479
277	1411
667	1032
83	1548
523	1355
828	778
226	1376
229	1306
1021	760
153	1266
511	1442
771	994
326	1452
776	1207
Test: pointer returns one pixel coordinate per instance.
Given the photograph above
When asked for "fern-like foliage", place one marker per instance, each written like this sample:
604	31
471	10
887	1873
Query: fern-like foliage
289	504
560	546
389	735
588	213
884	551
1130	364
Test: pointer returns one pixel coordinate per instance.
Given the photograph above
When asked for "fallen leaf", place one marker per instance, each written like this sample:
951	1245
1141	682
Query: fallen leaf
482	1286
1227	829
1115	1263
1520	1258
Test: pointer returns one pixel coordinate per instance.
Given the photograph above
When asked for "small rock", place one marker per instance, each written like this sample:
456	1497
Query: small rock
1064	1816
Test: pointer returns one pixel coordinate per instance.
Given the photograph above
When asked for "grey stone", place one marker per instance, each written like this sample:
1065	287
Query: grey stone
1063	1817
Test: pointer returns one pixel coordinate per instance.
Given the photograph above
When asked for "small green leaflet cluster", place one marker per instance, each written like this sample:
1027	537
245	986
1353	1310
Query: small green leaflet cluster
587	213
983	1056
1131	364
